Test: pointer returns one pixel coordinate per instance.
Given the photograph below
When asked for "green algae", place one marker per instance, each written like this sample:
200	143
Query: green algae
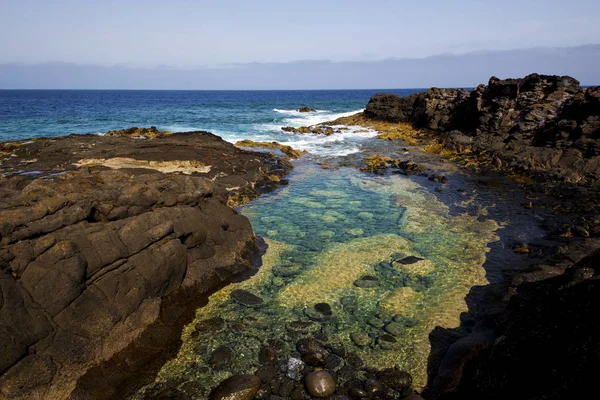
325	231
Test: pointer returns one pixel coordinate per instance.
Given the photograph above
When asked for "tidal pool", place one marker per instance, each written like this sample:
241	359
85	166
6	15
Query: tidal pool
326	231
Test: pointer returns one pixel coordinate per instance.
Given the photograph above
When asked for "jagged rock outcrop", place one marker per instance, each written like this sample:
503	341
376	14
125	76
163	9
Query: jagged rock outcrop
540	124
107	247
543	346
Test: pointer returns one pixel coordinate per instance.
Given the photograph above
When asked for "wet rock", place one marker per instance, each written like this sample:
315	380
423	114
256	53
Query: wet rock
309	345
209	325
357	393
267	354
438	178
246	298
340	397
367	281
299	393
315	315
171	394
302	327
332	361
361	339
323	308
319	384
386	342
294	368
267	373
237	387
316	359
409	260
523	249
395	379
338	350
376	322
305	109
221	357
354	361
373	387
394	328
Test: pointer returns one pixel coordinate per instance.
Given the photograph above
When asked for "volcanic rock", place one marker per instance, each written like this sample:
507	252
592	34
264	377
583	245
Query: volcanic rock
108	244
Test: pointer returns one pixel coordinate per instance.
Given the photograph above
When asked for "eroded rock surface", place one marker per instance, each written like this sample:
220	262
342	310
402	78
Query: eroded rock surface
540	124
102	263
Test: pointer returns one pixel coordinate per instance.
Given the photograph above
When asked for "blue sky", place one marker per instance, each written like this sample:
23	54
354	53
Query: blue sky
196	33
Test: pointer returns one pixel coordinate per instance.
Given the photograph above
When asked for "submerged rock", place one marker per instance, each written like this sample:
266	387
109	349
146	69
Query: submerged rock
246	298
221	357
395	379
323	308
237	387
367	281
409	260
320	384
361	339
267	354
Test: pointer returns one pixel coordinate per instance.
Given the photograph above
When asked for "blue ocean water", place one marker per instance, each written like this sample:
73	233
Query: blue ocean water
233	115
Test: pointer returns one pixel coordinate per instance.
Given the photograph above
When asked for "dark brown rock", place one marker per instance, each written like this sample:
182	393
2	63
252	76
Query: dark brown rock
246	298
545	342
319	384
109	247
238	387
395	379
540	124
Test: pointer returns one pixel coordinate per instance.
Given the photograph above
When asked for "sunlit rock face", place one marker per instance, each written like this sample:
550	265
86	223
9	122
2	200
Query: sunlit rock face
368	264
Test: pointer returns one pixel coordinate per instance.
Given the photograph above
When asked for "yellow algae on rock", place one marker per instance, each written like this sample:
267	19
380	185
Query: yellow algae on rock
337	269
166	167
397	301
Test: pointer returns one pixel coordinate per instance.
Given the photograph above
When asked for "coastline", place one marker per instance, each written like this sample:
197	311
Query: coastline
566	206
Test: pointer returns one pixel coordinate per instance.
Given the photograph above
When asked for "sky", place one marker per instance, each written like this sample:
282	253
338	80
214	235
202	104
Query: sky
196	34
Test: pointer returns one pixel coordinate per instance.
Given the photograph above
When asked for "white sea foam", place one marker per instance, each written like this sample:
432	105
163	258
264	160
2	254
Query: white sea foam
314	119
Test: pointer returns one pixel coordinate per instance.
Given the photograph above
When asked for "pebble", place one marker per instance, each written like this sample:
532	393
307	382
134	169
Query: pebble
319	384
395	379
267	354
373	387
221	357
394	328
357	393
376	322
386	342
294	366
361	339
237	387
367	281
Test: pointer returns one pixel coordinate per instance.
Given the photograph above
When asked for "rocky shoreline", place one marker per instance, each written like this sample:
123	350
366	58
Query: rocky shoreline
530	337
108	246
110	243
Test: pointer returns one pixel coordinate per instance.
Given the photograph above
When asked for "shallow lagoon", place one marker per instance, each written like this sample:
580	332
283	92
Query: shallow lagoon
325	231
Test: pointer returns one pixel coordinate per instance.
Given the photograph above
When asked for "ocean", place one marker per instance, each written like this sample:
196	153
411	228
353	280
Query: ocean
233	115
